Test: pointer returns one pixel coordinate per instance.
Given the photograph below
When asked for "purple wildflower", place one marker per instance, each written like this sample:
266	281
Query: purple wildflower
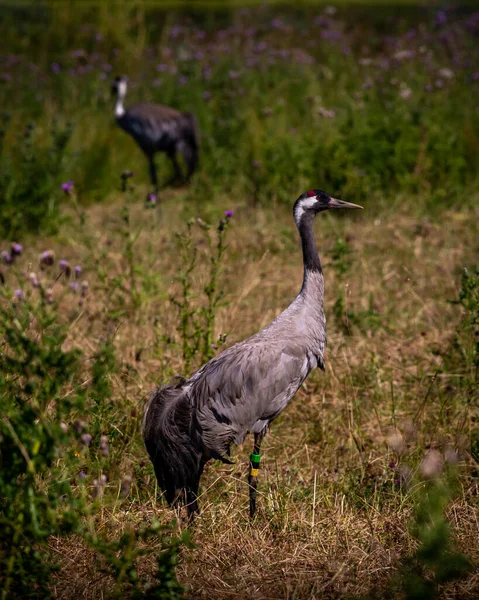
67	187
65	267
152	198
7	259
441	17
19	294
229	213
183	80
86	439
104	445
56	68
392	465
34	280
206	95
17	249
47	258
81	475
74	286
78	270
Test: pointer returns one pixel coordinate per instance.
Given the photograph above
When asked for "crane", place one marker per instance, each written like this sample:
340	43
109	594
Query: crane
158	128
245	387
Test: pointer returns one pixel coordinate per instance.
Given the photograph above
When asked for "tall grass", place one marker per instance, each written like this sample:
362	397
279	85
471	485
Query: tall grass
366	106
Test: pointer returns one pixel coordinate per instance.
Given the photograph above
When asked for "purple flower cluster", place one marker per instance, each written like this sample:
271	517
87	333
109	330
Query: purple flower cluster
67	187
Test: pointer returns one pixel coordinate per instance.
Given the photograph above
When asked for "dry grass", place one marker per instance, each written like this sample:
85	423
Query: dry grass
332	522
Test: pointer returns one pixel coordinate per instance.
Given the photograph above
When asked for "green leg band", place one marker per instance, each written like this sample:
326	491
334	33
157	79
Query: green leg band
254	464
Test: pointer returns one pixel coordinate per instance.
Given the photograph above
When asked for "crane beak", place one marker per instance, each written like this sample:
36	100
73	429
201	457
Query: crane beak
335	203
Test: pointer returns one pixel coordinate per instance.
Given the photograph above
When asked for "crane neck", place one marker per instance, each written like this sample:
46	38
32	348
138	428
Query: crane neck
313	272
119	108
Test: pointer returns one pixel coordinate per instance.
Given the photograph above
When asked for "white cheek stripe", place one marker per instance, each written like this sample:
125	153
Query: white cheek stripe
303	206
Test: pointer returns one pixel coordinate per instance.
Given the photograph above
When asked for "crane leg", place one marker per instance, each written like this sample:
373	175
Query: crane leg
178	174
154	178
191	494
253	472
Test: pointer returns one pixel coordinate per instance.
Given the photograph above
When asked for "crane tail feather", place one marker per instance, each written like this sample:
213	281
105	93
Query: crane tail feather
167	434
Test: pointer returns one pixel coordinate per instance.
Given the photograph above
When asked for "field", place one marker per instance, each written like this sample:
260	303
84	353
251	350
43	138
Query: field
368	486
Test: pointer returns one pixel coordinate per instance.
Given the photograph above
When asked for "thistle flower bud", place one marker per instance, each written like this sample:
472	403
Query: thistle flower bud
74	286
78	426
78	271
84	289
432	464
451	455
105	450
34	280
86	439
125	486
47	258
6	257
65	267
16	249
67	187
395	441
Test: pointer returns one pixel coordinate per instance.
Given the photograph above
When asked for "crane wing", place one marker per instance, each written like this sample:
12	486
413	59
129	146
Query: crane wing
243	385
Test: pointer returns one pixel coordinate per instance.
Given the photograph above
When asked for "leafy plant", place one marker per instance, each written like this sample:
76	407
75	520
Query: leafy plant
196	326
30	191
46	437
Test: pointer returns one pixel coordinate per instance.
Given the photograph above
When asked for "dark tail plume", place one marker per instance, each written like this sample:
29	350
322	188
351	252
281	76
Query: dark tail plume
167	433
190	143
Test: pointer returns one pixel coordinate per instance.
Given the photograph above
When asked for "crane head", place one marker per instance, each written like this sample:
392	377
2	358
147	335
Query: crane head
314	201
118	87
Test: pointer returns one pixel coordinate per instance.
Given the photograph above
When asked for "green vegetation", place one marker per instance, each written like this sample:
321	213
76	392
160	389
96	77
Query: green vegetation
368	485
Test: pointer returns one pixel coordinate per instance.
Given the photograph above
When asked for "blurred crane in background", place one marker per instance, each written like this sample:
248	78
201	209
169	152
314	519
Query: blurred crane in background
158	128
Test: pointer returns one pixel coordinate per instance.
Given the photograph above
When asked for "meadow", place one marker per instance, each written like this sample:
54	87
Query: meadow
368	486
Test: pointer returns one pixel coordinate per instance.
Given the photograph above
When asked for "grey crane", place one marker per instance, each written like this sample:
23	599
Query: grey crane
245	387
158	128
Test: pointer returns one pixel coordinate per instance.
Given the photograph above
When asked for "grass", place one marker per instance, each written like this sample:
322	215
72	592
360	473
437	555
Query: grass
332	518
342	479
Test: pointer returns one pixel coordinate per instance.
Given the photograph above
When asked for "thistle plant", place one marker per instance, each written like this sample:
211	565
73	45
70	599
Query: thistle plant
196	327
53	452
